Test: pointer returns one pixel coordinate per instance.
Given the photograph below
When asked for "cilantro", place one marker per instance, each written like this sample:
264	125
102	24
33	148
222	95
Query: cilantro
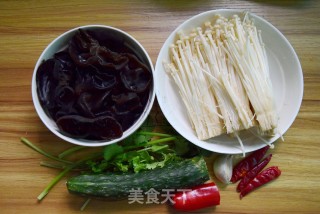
112	150
98	166
144	150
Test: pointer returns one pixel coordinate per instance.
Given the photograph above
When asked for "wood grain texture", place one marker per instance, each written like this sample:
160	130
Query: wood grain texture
27	27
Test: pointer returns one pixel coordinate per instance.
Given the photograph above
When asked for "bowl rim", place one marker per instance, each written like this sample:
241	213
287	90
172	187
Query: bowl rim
47	121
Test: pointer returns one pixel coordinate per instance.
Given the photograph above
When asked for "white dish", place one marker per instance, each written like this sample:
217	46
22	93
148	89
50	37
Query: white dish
286	76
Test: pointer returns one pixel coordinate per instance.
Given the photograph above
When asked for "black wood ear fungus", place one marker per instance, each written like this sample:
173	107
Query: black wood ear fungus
93	91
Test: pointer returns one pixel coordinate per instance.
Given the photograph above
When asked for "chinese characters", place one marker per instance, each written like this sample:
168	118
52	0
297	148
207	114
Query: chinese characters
153	196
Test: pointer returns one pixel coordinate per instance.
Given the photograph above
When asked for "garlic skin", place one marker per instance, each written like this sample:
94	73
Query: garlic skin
223	167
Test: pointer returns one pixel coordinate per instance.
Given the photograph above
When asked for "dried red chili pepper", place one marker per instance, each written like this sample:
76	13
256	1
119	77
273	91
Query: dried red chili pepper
199	197
247	164
262	178
252	173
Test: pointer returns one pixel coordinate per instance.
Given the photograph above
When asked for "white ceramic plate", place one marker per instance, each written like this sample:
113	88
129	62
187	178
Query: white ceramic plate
286	75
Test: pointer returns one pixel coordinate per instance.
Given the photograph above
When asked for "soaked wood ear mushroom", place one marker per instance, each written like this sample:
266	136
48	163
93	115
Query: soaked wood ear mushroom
92	91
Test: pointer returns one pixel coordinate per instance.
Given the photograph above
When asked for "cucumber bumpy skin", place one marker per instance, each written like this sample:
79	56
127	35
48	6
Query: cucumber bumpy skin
183	174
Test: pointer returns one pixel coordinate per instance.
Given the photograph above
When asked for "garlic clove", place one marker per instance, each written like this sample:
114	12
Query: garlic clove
223	167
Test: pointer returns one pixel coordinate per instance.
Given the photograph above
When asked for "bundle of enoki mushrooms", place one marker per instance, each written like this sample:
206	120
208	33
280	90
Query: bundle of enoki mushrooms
222	72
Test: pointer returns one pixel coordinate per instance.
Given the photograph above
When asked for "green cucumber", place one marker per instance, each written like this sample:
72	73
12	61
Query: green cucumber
175	175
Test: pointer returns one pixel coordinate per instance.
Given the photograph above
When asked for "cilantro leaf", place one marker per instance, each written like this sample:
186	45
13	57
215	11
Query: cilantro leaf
111	151
98	167
166	158
144	150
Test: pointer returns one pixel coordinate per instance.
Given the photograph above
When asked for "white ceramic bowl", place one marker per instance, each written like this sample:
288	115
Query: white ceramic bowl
286	76
58	44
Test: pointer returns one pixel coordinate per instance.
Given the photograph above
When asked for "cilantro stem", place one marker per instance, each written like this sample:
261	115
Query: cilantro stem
162	140
37	149
152	149
57	165
70	151
55	180
85	204
154	134
52	165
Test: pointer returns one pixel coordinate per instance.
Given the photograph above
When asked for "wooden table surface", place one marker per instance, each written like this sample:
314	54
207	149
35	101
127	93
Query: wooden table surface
27	27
